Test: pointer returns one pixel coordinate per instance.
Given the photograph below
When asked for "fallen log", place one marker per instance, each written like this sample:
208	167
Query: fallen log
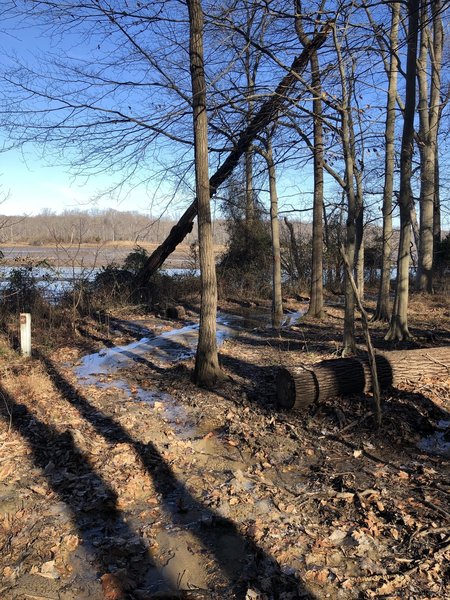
267	113
300	386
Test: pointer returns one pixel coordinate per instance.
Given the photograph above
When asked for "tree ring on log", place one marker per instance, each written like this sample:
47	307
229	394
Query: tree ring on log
296	392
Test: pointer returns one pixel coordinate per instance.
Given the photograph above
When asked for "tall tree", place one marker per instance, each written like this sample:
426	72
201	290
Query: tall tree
431	47
315	308
207	368
383	310
277	299
398	329
349	345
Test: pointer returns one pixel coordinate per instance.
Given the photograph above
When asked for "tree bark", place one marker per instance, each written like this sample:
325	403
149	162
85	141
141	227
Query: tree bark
315	308
294	247
437	230
265	115
316	294
206	361
429	119
398	329
383	309
349	344
298	387
277	301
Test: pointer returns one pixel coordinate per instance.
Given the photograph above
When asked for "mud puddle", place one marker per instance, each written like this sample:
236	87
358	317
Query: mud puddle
171	346
189	542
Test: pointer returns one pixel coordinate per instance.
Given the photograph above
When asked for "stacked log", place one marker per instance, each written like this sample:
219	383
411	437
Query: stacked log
300	386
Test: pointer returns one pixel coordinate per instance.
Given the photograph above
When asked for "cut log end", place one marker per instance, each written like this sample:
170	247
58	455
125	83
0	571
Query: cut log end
296	388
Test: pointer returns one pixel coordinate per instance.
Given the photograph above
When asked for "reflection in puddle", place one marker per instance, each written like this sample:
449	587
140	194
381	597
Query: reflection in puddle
439	442
173	345
292	318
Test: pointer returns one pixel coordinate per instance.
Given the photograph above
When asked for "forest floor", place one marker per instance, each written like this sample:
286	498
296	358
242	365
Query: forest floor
121	479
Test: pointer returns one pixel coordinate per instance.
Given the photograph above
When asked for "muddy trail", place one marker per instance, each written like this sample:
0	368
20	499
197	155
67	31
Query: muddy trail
120	479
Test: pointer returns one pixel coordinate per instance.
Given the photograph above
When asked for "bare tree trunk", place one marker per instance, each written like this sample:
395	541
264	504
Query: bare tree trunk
398	329
383	310
360	257
265	115
277	302
359	218
206	361
316	295
415	229
349	344
250	74
249	201
316	291
294	247
429	118
437	231
358	184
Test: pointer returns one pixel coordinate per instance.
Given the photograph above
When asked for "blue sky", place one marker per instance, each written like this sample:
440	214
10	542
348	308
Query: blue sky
30	185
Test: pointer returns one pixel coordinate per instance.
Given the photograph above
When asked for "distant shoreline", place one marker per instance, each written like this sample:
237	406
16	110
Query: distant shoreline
87	255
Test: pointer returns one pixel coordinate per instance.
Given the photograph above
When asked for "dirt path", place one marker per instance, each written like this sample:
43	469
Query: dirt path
136	484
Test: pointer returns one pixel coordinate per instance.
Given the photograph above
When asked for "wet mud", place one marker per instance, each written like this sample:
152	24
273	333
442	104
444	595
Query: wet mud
119	479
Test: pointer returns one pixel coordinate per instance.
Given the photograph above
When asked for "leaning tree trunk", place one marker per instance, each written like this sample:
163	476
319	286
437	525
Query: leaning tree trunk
383	309
206	362
398	329
300	386
265	115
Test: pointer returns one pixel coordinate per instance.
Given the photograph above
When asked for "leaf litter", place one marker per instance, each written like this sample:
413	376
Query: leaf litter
137	484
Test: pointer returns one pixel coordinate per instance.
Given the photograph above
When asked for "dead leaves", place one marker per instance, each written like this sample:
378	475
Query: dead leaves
112	587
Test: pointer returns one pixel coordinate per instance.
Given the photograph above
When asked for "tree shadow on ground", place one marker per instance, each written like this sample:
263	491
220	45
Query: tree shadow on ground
307	337
261	390
92	503
125	327
89	335
250	563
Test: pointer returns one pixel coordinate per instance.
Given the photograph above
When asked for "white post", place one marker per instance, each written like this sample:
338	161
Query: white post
25	334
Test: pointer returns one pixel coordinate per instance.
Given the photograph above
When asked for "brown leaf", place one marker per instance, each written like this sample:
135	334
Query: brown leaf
6	471
319	575
112	588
